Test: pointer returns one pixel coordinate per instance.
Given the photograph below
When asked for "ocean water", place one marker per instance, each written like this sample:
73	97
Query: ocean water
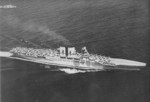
117	29
29	82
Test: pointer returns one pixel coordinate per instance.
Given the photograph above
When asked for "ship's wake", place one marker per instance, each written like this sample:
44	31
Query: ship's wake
71	71
74	71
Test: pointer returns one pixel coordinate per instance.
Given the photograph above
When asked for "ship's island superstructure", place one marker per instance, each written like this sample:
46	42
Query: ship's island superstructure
69	57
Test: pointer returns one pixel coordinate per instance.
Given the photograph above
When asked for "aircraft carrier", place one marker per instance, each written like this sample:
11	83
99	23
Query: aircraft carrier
68	57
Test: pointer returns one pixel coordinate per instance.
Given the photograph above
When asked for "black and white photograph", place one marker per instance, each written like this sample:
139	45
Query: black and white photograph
74	51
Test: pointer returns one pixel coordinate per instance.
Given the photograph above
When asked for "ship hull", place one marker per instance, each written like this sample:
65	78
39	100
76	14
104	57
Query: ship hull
121	64
70	63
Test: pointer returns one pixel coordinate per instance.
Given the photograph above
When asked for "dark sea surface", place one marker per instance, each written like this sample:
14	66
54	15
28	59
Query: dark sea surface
115	28
28	82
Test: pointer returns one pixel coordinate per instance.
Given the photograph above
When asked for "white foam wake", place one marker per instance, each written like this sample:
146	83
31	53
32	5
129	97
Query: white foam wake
71	71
